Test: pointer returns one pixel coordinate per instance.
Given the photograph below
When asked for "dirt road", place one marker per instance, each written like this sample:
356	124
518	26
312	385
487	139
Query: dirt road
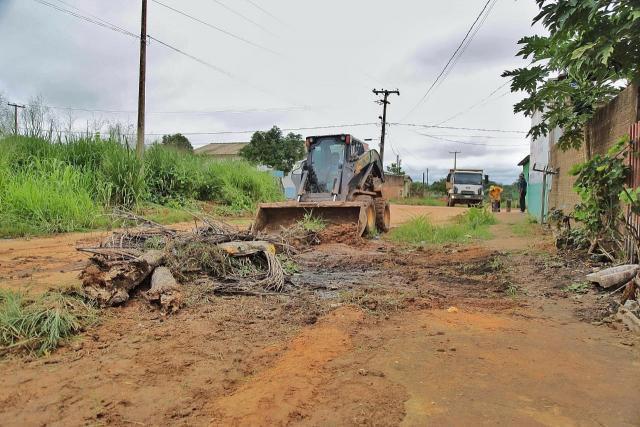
462	335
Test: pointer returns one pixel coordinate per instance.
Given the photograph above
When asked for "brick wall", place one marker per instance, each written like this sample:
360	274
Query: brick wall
609	124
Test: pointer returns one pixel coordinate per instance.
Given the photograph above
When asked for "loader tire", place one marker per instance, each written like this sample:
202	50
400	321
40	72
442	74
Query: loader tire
370	225
383	214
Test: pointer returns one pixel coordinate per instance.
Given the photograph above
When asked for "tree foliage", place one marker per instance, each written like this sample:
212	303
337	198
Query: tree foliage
395	169
593	46
600	185
178	141
273	149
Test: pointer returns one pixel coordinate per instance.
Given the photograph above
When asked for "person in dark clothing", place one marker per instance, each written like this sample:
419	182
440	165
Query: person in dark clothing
522	186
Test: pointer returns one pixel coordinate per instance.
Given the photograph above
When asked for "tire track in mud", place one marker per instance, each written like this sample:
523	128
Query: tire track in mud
273	396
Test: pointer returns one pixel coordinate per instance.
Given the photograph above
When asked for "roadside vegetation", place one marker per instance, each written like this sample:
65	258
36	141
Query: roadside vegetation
420	201
52	187
37	325
473	224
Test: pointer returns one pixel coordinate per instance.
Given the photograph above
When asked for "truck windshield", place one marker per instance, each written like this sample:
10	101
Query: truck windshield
326	157
468	178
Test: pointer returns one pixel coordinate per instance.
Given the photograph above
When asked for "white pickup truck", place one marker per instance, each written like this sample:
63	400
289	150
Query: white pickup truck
465	186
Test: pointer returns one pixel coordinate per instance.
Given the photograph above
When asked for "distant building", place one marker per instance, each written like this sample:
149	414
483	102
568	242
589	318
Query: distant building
396	186
222	150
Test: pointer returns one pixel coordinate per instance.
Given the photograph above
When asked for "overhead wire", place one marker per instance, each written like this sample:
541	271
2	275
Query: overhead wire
93	20
451	59
266	12
479	103
471	143
186	112
458	128
214	27
246	18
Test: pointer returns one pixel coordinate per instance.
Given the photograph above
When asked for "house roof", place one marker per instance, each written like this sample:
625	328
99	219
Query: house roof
221	148
524	161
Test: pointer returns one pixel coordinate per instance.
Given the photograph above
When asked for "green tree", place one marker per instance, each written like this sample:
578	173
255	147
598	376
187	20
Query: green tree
592	48
439	186
178	141
395	169
273	149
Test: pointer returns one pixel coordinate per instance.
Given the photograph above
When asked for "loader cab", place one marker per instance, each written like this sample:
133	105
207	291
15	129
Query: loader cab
326	159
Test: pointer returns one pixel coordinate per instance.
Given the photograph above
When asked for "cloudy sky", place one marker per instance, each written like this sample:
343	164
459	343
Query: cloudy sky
290	63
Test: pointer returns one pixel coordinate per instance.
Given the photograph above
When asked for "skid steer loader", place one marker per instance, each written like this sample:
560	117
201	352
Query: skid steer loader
340	182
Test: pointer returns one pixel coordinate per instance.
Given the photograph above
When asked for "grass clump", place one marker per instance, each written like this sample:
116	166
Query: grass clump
578	288
39	325
473	224
312	223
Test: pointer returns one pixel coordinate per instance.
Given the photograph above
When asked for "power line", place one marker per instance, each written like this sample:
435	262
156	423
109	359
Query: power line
458	128
470	143
96	21
346	125
242	39
266	12
453	56
246	18
185	112
477	104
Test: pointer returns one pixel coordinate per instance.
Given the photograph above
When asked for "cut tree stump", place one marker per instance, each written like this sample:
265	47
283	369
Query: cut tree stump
109	282
165	290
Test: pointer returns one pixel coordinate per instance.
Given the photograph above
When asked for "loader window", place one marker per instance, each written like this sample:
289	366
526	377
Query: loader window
326	156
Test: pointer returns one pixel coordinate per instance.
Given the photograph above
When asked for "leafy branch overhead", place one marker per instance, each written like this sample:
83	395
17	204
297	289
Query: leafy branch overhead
593	48
273	149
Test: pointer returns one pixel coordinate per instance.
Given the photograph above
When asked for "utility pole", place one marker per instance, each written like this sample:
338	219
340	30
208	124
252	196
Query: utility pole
15	115
424	188
455	158
142	81
384	102
427	176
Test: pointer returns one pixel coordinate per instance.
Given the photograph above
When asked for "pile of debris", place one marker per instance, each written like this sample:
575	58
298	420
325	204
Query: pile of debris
625	278
213	254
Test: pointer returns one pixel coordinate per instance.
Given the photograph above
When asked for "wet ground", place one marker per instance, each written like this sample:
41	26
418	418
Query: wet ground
378	334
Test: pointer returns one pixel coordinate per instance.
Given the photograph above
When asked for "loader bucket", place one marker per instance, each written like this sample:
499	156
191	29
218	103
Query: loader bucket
273	217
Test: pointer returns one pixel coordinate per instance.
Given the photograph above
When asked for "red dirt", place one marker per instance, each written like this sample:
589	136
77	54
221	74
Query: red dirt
376	347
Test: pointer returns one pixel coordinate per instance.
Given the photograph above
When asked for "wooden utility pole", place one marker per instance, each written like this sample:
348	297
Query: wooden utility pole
384	102
455	158
15	115
142	81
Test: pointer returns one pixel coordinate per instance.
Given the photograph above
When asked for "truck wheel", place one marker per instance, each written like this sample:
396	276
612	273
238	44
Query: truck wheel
383	214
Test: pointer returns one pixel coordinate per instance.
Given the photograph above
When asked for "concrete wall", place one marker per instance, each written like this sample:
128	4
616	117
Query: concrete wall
396	187
609	124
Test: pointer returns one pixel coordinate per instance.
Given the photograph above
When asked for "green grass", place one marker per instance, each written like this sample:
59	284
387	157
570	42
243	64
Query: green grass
312	223
473	224
578	288
61	186
526	229
420	201
38	325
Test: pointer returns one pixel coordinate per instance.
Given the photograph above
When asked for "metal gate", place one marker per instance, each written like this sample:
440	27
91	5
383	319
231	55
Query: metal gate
633	160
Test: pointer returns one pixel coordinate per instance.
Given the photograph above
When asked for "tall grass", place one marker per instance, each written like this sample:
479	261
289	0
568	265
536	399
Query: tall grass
473	224
38	325
49	197
48	187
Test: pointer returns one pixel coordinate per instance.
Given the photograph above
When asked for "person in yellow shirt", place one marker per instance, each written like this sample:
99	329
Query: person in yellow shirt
495	194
